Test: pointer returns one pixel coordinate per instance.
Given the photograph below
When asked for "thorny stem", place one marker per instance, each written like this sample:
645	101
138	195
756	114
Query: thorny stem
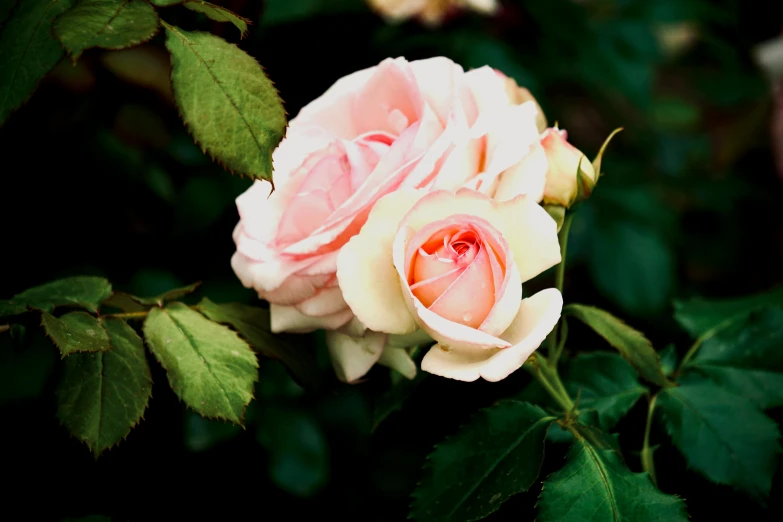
647	457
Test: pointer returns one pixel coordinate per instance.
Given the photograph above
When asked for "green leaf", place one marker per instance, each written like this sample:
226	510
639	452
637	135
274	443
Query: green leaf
393	399
220	14
109	24
209	367
497	455
28	50
124	302
723	436
699	315
745	357
171	295
668	360
102	396
299	454
631	344
253	324
84	291
605	383
166	3
131	303
228	103
595	486
76	332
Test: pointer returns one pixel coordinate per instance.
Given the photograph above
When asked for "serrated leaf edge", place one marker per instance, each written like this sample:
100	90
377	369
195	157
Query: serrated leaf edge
203	148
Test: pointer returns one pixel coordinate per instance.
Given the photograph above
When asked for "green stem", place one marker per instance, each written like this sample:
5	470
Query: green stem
555	348
563	237
647	457
562	336
550	381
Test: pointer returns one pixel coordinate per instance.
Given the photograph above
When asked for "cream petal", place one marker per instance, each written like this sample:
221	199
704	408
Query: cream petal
532	237
528	177
352	357
537	316
354	328
460	366
327	301
488	89
439	80
365	271
289	319
399	360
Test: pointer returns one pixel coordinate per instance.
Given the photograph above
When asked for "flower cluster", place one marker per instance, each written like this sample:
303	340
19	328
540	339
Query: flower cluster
406	211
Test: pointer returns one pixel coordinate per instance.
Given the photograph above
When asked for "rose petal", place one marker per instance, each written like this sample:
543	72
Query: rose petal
465	301
454	335
439	80
298	143
354	328
295	289
390	101
487	88
399	360
327	301
528	177
266	275
537	316
289	319
532	236
352	357
332	110
367	278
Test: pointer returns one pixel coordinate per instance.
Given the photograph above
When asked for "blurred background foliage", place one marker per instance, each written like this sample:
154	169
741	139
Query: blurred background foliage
101	177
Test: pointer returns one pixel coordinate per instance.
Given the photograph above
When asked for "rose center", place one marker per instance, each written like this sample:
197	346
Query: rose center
452	274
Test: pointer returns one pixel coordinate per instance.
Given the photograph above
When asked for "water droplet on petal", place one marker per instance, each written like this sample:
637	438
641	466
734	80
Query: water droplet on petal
467	317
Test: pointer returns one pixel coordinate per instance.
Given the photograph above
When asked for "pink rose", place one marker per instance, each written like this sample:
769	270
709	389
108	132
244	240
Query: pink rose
453	265
424	124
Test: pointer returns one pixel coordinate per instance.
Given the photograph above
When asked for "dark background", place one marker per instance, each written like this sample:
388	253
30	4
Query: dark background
100	177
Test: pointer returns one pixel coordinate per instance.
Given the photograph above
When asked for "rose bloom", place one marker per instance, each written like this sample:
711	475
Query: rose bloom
422	124
430	12
453	264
